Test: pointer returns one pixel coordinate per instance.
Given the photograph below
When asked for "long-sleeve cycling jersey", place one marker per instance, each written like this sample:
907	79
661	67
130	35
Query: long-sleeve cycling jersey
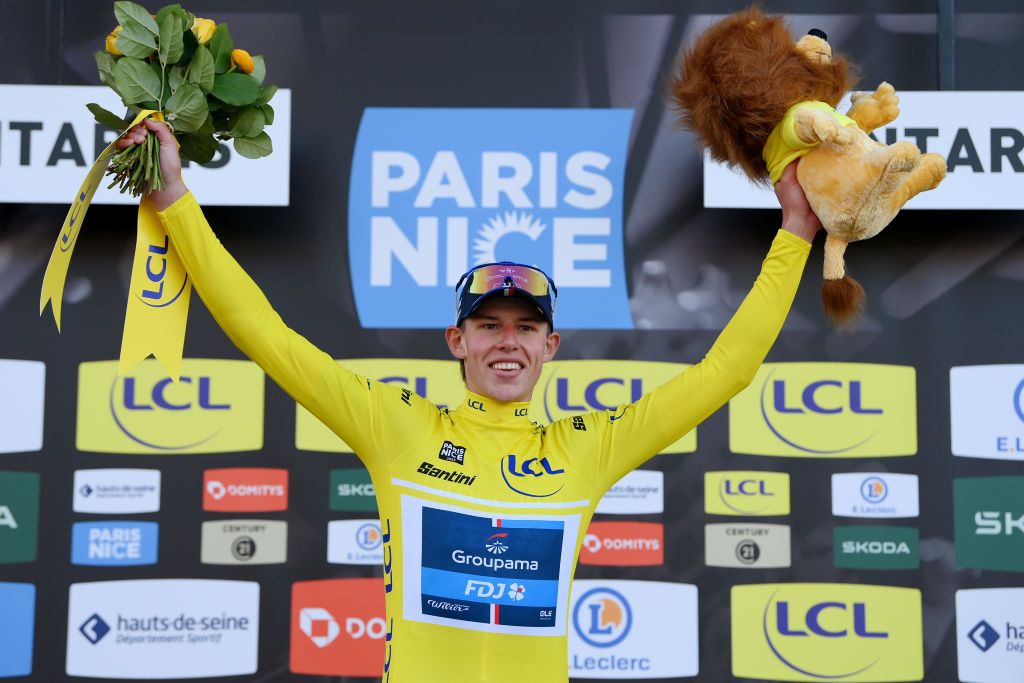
483	511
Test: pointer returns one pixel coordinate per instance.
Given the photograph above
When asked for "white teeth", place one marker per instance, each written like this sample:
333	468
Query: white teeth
506	366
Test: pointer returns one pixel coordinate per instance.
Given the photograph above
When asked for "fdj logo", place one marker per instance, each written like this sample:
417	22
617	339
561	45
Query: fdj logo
435	191
513	592
533	477
874	490
602	617
368	537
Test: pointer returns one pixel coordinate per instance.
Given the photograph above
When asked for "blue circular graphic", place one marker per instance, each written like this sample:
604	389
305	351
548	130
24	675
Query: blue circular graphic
874	490
368	536
594	625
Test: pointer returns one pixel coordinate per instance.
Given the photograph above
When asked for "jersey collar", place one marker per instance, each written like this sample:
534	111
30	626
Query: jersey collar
493	411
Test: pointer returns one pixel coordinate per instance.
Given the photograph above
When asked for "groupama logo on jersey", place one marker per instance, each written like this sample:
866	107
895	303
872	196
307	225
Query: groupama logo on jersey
435	191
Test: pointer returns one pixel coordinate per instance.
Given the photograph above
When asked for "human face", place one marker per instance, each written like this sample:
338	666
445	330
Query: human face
504	345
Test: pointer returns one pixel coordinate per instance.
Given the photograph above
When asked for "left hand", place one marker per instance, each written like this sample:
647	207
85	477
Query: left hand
797	216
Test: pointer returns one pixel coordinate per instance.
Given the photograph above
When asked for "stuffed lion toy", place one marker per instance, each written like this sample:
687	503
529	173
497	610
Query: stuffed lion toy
759	100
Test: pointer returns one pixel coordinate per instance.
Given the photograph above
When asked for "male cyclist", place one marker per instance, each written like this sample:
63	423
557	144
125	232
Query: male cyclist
483	510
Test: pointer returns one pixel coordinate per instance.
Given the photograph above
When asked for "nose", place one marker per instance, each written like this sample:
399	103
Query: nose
508	337
818	33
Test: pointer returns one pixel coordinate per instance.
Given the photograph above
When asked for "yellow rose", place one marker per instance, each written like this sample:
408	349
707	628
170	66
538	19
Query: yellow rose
203	29
111	45
242	60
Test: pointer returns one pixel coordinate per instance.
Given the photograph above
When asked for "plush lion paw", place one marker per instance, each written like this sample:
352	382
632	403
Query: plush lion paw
874	109
814	125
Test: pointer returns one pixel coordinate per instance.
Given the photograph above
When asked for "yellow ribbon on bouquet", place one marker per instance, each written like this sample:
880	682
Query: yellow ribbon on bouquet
159	292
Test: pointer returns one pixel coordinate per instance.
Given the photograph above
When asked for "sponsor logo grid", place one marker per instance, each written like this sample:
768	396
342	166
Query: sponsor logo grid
988	518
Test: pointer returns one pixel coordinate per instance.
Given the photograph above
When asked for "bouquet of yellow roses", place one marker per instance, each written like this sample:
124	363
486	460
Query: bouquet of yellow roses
187	71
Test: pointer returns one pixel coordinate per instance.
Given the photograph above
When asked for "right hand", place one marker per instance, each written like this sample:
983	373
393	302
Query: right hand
170	160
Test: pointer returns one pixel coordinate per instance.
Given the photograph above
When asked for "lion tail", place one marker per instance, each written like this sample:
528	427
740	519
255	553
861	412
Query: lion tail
841	296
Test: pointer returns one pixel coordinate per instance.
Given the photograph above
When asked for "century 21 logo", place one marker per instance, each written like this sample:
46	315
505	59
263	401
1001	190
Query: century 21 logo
572	387
819	632
822	410
216	406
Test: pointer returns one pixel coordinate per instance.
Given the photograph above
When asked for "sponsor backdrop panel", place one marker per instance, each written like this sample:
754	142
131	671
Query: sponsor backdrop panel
537	131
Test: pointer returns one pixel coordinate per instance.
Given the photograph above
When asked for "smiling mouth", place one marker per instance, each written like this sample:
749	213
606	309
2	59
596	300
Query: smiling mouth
507	366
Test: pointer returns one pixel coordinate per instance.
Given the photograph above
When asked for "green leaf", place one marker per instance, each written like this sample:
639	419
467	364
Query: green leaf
259	69
130	11
105	62
136	81
176	76
185	16
200	71
135	41
200	148
235	88
186	109
171	44
268	113
266	93
247	123
221	46
107	118
254	148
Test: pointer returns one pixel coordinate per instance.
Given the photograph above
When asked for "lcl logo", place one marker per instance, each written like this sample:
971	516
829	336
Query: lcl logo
158	395
591	401
825	397
523	471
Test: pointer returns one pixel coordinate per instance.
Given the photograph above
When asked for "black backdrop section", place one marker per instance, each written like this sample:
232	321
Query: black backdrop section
340	57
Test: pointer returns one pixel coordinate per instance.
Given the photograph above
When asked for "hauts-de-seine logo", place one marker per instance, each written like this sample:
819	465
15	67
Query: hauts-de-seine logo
435	191
581	386
602	617
216	406
532	477
825	410
827	632
983	636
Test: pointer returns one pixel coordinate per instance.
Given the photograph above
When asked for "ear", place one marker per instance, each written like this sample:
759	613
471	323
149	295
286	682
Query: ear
456	339
551	347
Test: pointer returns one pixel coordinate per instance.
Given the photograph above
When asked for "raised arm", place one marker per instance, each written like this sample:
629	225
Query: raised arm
635	432
344	401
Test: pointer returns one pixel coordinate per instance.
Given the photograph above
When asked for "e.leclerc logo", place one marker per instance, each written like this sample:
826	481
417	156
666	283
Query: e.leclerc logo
987	411
619	630
216	406
580	386
826	410
435	191
826	632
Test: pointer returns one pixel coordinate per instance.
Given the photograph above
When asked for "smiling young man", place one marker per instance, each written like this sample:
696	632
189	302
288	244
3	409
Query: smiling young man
483	511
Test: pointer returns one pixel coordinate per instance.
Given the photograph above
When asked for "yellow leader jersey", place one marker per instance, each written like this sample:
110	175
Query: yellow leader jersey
483	510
